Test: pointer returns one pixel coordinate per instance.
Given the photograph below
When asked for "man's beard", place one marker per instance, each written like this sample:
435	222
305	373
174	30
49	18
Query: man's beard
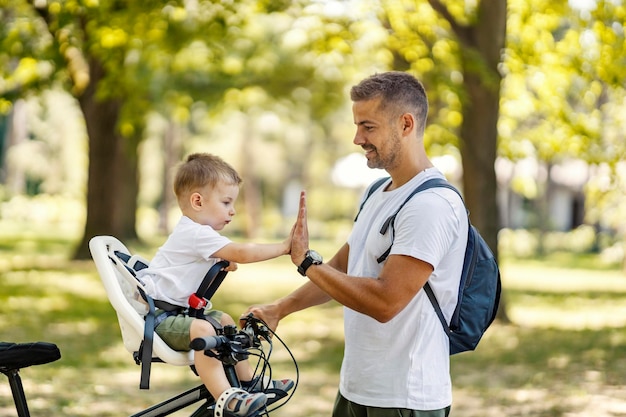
392	151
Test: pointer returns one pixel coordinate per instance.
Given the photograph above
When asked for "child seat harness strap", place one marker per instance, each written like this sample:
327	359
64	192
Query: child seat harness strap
200	299
209	285
144	356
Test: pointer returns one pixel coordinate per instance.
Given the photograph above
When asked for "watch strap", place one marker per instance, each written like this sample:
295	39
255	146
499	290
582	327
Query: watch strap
311	258
308	261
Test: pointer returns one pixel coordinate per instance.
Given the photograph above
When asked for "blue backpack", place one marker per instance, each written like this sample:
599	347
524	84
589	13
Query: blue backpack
480	286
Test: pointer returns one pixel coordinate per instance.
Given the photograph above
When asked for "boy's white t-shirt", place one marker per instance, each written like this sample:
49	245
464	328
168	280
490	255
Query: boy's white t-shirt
404	363
179	266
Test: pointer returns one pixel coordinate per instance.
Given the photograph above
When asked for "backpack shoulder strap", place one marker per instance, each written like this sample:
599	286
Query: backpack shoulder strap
434	182
433	300
371	190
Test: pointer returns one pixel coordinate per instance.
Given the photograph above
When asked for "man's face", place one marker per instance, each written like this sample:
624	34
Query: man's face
376	134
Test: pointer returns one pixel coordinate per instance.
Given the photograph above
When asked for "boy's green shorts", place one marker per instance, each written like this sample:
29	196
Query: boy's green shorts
174	330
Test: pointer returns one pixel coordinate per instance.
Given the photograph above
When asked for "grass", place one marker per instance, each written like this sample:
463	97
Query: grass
563	355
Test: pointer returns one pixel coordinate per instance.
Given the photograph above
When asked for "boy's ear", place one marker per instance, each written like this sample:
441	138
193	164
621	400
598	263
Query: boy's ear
196	200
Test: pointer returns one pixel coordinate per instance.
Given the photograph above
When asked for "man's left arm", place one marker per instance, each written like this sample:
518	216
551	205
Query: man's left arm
382	297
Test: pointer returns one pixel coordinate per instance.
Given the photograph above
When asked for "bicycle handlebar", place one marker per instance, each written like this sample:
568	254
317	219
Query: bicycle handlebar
247	337
236	345
208	342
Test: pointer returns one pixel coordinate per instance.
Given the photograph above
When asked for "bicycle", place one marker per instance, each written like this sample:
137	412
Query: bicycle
231	347
117	269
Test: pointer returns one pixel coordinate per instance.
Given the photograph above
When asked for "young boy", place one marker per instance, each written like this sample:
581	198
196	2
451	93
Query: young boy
206	188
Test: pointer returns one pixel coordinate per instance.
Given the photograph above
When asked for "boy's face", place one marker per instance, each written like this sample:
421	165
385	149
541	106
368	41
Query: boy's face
215	206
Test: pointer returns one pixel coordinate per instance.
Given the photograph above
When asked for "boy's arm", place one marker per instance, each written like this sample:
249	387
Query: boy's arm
244	253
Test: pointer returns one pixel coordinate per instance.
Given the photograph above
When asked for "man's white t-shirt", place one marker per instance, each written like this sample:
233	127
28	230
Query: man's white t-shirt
179	266
405	363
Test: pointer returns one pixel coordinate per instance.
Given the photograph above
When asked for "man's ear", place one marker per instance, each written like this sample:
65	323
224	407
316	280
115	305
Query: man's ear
196	201
408	123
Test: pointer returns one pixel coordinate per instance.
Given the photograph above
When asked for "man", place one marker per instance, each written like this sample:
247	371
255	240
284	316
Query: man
396	359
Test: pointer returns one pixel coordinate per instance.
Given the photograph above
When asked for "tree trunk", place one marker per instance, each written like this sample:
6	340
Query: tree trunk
172	154
478	152
14	177
479	131
112	177
252	197
483	45
128	177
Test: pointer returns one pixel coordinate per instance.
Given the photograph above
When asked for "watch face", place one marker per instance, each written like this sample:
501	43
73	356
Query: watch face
317	258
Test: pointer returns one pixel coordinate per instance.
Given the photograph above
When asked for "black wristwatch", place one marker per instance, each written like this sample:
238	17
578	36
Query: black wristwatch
311	258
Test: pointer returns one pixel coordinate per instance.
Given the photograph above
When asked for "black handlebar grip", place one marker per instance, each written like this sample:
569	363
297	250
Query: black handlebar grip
206	343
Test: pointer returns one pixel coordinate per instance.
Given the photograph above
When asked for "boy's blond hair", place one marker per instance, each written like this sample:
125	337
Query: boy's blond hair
201	170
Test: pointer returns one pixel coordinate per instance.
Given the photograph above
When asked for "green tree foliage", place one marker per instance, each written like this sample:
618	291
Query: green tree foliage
122	60
561	95
456	49
563	70
563	98
103	53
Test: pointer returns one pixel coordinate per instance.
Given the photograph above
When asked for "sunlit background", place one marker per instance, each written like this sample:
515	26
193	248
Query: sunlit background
127	89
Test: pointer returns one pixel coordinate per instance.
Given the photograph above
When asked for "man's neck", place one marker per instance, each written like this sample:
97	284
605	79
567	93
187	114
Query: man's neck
399	177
